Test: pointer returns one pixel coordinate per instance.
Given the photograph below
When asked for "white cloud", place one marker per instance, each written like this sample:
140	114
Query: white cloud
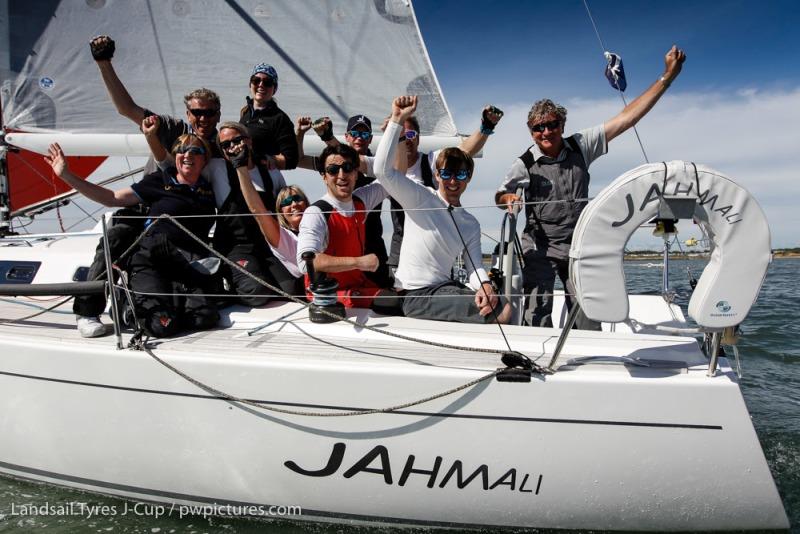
751	136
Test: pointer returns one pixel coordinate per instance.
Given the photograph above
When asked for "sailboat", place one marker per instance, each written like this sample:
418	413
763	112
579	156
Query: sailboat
375	419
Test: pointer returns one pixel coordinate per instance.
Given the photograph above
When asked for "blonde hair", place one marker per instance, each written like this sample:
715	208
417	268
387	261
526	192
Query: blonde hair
188	138
287	191
544	108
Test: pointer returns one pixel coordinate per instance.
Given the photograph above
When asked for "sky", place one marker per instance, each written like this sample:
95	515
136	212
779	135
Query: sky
735	106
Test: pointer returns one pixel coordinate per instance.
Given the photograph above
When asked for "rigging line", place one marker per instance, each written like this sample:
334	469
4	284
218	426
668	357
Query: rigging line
622	96
474	270
287	58
40	312
307	304
262	405
161	58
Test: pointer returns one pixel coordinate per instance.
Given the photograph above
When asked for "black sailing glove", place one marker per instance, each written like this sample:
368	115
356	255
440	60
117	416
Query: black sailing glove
102	48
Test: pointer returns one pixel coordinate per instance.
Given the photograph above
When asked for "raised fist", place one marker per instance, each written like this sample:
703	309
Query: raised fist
102	48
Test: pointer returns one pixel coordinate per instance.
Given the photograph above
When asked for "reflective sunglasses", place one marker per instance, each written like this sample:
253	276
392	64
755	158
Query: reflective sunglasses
460	175
191	149
359	133
333	170
409	134
225	145
552	125
292	198
203	112
265	81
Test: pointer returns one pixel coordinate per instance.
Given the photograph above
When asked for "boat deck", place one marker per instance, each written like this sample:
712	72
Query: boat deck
283	331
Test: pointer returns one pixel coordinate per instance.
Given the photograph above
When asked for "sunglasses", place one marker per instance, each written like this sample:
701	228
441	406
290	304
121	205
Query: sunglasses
191	149
460	175
203	112
357	133
410	135
266	81
552	125
292	198
225	145
333	170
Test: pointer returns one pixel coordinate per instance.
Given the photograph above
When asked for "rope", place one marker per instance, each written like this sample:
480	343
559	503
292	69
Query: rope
472	265
260	405
622	96
292	298
20	319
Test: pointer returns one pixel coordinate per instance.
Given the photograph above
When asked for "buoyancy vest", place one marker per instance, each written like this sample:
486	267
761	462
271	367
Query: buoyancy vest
346	237
551	223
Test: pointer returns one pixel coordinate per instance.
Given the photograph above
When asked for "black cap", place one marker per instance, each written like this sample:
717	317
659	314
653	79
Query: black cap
357	120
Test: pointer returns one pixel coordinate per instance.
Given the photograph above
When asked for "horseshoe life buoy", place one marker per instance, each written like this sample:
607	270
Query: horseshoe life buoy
733	220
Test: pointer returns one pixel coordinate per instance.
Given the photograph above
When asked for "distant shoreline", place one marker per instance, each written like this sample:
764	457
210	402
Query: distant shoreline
777	254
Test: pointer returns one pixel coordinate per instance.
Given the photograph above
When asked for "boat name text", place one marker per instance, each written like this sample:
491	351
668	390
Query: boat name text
706	198
454	475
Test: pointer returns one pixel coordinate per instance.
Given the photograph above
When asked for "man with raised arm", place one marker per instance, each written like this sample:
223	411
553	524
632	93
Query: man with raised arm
437	230
554	173
233	236
419	166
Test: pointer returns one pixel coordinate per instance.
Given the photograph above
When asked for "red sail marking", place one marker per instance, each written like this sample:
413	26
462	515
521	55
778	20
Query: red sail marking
31	179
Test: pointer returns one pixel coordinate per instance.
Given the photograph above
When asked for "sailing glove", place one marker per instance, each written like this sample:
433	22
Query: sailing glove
327	133
487	124
102	50
240	159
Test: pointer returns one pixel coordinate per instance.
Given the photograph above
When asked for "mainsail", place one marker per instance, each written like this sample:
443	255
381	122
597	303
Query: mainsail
334	58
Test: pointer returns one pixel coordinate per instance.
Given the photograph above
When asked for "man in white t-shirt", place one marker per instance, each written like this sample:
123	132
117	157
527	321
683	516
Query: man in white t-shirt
437	230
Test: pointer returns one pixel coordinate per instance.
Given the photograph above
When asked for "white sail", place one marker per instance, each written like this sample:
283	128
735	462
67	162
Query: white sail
334	58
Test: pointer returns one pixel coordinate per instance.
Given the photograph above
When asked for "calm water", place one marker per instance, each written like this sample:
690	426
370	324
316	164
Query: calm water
771	386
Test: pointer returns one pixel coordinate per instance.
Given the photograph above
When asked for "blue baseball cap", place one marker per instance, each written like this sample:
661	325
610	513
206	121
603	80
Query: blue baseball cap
267	69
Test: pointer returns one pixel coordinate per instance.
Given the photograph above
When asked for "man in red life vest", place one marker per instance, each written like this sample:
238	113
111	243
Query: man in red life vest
334	228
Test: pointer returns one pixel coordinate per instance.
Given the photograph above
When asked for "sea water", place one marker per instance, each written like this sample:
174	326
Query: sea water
770	384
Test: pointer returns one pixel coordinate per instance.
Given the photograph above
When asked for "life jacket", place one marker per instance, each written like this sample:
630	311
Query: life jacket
551	223
346	237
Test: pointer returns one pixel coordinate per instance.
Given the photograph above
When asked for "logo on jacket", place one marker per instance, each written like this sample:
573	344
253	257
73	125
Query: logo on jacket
723	306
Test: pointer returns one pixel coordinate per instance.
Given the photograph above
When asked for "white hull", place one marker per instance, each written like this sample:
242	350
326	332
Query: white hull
598	446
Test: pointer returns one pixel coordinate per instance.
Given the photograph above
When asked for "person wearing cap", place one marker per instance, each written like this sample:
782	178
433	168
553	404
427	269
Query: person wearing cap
437	230
554	173
358	135
271	129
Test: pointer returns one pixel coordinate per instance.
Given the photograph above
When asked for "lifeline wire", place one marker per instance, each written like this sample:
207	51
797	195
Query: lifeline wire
279	291
472	264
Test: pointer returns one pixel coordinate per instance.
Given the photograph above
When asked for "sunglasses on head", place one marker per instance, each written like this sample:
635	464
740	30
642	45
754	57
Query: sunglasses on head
225	145
292	198
333	170
191	149
552	125
409	134
359	133
460	175
266	81
203	112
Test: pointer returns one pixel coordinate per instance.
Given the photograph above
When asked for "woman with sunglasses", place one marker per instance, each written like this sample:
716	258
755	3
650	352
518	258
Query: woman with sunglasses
271	129
166	256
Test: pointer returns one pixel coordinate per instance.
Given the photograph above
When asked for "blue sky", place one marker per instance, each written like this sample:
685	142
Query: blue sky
735	106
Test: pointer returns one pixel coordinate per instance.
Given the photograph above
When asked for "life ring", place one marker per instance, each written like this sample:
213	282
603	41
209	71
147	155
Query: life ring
733	220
